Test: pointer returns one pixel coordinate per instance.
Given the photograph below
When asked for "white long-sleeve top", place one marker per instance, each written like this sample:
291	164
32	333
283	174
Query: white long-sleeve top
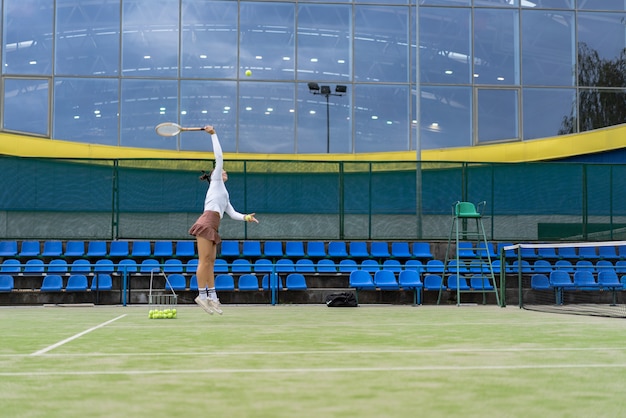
217	198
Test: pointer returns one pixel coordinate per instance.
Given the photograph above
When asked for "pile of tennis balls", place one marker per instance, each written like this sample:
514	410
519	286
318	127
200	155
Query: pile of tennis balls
162	314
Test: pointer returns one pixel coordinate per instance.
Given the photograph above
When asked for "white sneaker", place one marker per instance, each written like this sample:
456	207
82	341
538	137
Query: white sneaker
204	304
215	305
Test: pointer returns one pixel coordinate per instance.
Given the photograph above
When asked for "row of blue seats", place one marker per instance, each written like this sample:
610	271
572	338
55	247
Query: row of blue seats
229	249
409	279
601	252
581	280
176	282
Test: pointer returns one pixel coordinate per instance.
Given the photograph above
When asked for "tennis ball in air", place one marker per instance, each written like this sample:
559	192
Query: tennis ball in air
248	73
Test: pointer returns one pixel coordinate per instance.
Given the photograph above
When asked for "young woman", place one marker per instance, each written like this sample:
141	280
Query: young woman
206	228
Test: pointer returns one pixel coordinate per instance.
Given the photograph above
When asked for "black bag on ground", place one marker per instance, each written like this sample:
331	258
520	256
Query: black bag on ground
345	299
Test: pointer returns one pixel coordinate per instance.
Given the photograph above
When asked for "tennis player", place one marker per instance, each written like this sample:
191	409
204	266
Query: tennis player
206	228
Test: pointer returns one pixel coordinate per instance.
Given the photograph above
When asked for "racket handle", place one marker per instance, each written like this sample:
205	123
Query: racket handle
192	129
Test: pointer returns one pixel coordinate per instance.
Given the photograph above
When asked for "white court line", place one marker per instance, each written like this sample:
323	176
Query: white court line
73	337
334	352
316	370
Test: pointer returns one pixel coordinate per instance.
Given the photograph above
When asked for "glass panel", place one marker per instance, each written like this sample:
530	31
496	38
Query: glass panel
445	117
445	2
323	125
145	104
601	108
266	118
381	42
549	112
496	46
209	36
267	40
498	3
549	4
601	49
548	51
27	37
208	103
150	38
497	117
26	97
445	45
618	5
86	110
87	37
381	119
324	34
382	1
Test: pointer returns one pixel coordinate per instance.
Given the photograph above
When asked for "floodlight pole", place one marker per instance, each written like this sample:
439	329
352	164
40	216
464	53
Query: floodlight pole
325	91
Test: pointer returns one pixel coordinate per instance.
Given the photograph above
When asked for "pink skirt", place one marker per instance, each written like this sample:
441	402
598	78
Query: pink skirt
207	226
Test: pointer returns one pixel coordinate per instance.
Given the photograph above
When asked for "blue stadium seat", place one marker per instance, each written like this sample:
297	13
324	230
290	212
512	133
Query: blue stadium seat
326	266
102	282
173	265
547	253
433	282
248	282
410	280
528	253
602	265
8	248
608	252
30	249
241	266
347	265
52	283
584	265
434	266
80	266
414	265
564	265
273	249
455	266
337	249
34	266
52	249
185	249
74	249
148	266
459	281
480	282
392	265
229	249
119	249
371	266
263	265
422	250
401	250
57	266
540	281
567	252
104	266
316	249
76	283
265	281
608	279
385	280
191	266
380	249
223	283
584	280
129	265
542	266
193	283
357	249
588	253
361	279
96	249
560	279
10	265
141	249
251	249
6	283
484	250
176	282
285	265
305	265
220	266
294	249
296	281
163	248
466	250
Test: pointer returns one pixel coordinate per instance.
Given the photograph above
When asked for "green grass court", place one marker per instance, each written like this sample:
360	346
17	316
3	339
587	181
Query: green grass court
310	361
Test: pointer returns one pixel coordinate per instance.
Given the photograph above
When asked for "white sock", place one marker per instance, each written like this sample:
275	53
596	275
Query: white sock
202	293
212	294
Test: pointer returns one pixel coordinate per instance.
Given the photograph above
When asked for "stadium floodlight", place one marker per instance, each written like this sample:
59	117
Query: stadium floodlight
340	90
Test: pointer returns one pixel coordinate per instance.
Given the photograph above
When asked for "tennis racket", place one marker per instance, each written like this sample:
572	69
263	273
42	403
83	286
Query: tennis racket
172	129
